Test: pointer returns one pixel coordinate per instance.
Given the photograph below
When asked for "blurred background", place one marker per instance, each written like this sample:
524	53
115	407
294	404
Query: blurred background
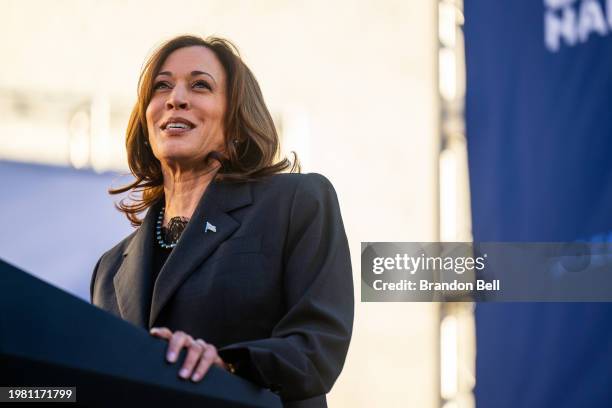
378	97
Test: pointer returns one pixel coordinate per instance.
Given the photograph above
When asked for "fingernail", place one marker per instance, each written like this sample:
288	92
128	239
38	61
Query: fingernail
195	377
153	330
184	373
171	357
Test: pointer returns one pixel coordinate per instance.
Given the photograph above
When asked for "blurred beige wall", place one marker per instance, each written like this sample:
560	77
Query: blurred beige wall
352	85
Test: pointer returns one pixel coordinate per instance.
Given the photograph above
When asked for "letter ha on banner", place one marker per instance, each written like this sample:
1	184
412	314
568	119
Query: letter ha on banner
572	22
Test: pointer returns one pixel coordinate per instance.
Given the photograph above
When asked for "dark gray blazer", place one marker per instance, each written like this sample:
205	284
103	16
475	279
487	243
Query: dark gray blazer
271	288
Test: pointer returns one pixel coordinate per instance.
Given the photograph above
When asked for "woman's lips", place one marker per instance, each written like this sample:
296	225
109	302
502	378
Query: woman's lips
176	131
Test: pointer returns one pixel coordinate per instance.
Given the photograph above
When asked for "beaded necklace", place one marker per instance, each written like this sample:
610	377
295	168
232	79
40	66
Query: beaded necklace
173	232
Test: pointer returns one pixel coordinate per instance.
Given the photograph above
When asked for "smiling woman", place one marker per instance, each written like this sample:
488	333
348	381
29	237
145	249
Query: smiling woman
249	140
245	268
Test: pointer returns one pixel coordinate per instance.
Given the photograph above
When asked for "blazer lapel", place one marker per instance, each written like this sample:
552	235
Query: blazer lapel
198	241
132	281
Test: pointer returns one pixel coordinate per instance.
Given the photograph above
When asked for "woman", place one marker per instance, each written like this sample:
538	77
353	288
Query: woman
244	267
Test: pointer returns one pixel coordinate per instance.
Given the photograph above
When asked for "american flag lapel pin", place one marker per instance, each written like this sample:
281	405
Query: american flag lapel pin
210	227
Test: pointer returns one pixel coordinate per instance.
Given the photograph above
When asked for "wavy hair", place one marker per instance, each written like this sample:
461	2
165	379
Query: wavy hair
251	142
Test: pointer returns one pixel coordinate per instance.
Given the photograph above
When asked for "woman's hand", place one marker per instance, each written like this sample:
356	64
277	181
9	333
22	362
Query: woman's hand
200	355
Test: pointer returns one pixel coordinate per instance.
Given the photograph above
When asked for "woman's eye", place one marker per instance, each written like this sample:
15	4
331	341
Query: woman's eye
202	84
161	85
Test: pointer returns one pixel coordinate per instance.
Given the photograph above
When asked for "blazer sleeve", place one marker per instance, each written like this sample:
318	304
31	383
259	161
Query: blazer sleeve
307	348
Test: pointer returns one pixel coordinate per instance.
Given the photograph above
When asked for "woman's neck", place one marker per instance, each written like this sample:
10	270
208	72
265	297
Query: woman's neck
183	191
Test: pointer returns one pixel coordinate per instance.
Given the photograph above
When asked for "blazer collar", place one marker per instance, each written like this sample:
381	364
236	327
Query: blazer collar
133	283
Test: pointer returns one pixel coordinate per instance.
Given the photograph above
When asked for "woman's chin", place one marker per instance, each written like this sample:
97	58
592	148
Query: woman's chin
183	160
176	157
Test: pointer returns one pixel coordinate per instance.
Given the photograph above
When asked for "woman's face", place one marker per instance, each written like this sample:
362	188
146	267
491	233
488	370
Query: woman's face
187	108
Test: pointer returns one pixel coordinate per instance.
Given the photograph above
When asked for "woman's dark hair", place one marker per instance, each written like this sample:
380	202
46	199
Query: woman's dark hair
251	143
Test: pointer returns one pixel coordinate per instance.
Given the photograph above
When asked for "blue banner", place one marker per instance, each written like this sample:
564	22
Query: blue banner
57	221
539	129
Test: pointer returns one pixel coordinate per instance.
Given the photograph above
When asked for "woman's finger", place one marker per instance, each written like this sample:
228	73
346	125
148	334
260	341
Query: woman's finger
162	332
178	340
208	358
219	362
194	353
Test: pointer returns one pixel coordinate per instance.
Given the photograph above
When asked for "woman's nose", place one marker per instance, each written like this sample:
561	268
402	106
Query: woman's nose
177	99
